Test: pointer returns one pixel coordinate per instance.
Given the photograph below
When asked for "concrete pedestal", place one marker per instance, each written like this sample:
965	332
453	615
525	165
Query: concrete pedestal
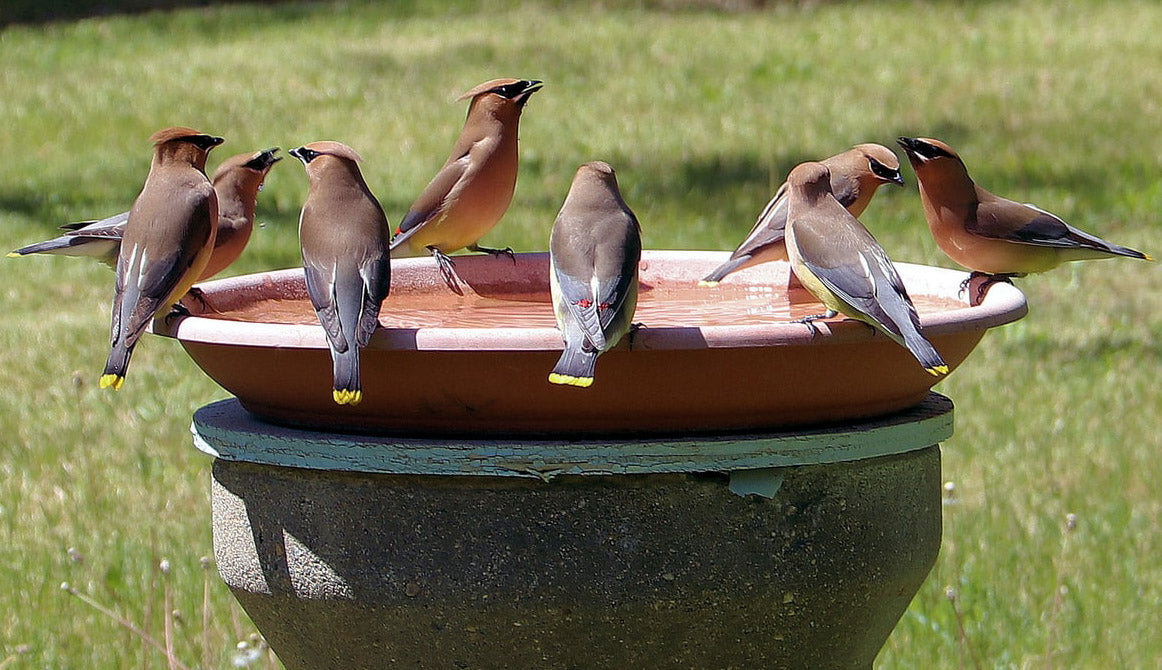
759	551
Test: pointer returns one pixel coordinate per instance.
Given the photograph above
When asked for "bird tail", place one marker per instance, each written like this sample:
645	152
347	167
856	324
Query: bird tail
116	366
1131	253
924	352
721	271
347	390
575	367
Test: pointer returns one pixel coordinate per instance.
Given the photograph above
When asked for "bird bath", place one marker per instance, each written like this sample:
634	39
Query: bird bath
733	491
705	360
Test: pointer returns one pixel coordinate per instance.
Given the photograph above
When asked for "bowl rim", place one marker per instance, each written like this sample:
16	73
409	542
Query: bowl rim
1003	303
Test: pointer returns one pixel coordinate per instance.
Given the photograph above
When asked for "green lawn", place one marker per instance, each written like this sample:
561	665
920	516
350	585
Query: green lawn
702	113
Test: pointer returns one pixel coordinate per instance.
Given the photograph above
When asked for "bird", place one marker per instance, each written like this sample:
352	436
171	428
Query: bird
474	188
994	237
837	259
169	237
344	236
855	176
236	183
594	250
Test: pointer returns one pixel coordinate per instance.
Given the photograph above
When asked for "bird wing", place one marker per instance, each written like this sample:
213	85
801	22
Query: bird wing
442	189
611	293
860	274
1003	219
114	226
375	272
321	290
581	304
770	227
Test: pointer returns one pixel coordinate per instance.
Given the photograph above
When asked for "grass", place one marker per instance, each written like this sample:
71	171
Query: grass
702	112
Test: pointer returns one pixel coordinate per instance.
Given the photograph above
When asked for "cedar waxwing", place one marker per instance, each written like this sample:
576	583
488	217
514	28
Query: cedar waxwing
594	251
344	236
168	239
992	236
474	188
855	176
236	183
839	261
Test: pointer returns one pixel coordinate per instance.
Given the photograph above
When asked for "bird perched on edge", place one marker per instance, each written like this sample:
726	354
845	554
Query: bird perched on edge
839	261
236	183
470	194
344	237
168	239
594	251
855	176
990	235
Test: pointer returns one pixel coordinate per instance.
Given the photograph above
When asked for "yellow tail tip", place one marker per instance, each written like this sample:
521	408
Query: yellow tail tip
345	397
1147	256
570	380
112	381
707	284
937	370
13	254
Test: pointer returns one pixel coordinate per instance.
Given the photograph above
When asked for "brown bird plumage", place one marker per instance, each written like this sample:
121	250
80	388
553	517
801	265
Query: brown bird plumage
988	234
841	263
236	183
169	237
855	176
594	252
344	236
473	189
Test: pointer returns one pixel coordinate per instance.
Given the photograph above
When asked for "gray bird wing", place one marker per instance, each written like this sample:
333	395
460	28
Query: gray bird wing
770	227
618	273
581	305
433	198
859	272
1004	219
376	275
113	226
321	290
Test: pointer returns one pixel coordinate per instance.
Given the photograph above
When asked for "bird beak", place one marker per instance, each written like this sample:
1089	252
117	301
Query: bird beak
298	153
920	151
215	141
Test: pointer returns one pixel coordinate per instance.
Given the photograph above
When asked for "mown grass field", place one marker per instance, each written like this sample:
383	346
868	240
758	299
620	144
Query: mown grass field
702	112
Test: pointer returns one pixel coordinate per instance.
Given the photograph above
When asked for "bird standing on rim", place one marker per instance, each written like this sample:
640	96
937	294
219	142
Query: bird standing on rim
839	261
594	252
168	240
855	176
344	237
990	235
236	183
473	189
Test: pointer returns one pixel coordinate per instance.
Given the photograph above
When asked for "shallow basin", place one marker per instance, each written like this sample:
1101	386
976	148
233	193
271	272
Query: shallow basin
705	359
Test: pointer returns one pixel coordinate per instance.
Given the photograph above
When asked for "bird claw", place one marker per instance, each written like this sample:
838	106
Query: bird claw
507	251
810	320
981	290
447	270
633	328
177	311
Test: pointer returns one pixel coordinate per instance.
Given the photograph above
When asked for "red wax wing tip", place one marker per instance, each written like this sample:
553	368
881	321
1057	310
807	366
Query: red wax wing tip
585	302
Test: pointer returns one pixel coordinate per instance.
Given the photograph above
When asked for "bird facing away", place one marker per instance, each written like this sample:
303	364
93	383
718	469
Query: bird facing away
594	251
839	261
988	234
855	176
236	183
168	239
344	237
473	190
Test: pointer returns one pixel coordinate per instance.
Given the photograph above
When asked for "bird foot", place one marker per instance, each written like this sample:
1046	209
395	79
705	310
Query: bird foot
976	297
177	311
810	320
633	328
507	251
447	270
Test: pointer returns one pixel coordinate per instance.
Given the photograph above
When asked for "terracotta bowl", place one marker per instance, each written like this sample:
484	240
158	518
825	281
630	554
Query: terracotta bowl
705	359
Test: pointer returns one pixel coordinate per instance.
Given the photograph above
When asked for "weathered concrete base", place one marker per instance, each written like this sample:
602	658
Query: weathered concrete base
343	570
